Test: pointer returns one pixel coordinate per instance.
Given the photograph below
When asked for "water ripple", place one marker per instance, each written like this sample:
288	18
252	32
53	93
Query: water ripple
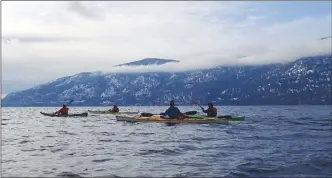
272	142
101	160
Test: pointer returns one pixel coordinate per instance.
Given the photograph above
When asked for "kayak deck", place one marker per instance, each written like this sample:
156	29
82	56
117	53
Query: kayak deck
69	115
110	112
157	118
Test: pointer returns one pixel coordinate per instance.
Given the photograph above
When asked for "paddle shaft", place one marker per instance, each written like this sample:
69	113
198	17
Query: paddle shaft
69	102
195	102
200	106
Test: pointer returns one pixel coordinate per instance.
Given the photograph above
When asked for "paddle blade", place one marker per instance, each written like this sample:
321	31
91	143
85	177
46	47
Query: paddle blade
70	102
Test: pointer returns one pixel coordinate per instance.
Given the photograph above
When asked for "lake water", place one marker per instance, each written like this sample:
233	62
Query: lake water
272	141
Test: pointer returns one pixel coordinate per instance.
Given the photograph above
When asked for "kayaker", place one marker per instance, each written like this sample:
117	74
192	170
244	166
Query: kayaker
114	109
63	111
211	111
173	112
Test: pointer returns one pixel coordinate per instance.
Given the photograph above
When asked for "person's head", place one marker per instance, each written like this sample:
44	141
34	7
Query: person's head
210	105
115	106
64	106
171	103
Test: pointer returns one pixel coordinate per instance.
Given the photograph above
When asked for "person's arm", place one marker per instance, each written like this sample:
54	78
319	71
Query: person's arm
58	111
179	112
205	111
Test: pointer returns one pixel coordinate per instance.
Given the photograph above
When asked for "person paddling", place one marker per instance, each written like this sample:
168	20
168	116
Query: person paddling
173	111
211	111
63	111
114	109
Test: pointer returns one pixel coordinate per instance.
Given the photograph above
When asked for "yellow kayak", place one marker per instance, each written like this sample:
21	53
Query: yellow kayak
158	118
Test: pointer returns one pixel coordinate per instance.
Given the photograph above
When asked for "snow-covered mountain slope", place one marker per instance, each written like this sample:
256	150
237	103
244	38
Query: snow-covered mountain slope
305	81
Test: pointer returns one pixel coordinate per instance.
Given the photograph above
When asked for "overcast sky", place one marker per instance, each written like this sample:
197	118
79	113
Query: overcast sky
42	41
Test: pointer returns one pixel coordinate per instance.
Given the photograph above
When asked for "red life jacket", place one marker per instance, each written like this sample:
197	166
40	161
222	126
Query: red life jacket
115	109
63	111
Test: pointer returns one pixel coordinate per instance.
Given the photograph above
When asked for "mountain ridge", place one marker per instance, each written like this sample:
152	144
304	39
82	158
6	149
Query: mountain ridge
304	81
148	61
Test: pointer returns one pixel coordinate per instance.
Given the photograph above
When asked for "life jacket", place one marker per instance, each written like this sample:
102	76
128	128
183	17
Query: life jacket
214	111
63	111
115	109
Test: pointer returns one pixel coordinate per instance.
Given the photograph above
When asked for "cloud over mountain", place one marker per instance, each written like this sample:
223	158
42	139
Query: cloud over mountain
46	40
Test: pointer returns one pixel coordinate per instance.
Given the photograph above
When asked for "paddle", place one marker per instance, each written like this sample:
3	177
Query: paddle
195	102
145	114
69	102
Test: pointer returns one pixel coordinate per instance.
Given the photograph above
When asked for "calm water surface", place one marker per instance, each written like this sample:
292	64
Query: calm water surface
273	141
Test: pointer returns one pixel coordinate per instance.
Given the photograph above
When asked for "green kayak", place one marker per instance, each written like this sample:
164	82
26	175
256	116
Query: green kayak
110	112
69	115
232	118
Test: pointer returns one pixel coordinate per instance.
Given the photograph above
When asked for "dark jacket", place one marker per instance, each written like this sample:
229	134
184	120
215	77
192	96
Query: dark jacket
173	112
211	112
